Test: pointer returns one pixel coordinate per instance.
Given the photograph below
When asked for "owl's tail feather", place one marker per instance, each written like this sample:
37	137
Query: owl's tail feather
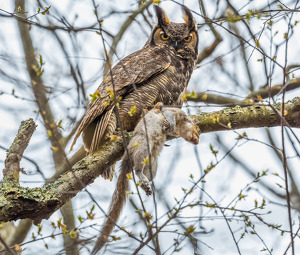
118	200
100	130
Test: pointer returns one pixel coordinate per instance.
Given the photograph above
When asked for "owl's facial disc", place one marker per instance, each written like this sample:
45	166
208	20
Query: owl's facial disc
181	38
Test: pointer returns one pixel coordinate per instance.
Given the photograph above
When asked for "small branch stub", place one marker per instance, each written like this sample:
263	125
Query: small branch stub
16	150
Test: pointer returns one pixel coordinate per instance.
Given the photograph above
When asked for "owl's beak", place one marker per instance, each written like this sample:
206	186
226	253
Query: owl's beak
175	44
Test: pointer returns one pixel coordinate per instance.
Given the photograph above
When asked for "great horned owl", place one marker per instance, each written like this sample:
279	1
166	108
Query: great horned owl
159	72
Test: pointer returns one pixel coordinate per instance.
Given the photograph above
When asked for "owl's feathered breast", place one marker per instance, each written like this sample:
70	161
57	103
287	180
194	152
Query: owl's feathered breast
165	86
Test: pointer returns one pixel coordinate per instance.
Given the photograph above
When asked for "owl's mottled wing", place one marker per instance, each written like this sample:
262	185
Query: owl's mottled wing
133	69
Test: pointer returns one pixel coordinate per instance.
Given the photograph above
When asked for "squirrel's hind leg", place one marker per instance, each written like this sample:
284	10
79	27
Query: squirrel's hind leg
145	183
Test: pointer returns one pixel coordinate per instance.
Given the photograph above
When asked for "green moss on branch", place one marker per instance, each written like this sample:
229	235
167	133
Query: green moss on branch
39	203
251	116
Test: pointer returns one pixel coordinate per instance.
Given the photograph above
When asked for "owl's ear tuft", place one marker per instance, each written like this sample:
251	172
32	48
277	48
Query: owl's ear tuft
188	17
162	17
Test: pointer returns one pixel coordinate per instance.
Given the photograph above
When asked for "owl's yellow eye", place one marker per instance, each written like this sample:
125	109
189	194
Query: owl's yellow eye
164	37
188	38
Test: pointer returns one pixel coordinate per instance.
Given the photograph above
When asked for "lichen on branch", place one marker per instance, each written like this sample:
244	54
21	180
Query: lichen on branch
15	152
17	202
257	115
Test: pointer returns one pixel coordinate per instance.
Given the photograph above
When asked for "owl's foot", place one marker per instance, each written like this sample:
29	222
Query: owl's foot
158	106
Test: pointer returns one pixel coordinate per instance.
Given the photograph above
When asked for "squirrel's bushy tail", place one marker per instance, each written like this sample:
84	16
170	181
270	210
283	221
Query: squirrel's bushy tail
118	200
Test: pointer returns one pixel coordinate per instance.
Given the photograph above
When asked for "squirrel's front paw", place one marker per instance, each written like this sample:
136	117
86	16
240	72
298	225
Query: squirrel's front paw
147	189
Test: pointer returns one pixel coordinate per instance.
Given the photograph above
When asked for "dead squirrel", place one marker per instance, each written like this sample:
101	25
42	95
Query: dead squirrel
160	123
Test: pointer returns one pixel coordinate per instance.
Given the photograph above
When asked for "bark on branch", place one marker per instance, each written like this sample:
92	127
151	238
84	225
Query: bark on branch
251	116
18	202
15	152
39	203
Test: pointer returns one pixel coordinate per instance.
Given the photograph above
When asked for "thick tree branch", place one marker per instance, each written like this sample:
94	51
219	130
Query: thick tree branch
250	116
39	203
18	202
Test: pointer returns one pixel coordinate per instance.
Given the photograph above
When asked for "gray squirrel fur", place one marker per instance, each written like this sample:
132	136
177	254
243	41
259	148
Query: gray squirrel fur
161	122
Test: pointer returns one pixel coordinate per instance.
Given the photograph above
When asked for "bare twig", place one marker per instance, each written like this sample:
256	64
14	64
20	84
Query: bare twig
248	170
205	53
122	30
284	160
